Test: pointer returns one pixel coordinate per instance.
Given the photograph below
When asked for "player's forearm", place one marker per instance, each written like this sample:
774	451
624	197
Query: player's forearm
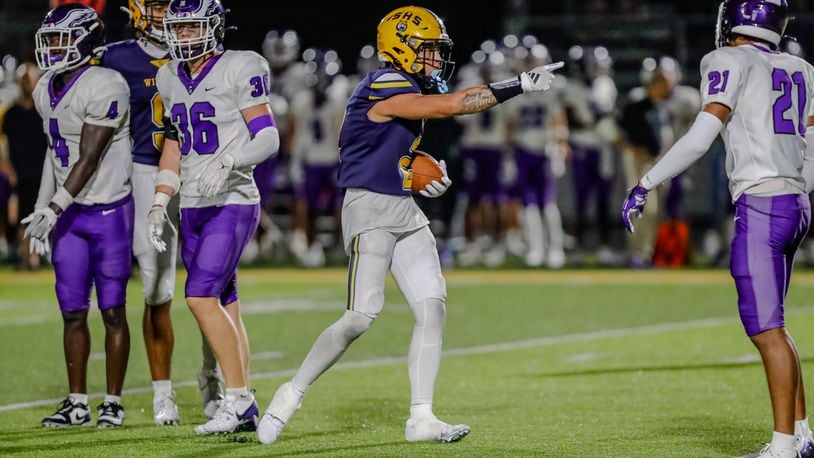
475	100
686	151
169	168
47	185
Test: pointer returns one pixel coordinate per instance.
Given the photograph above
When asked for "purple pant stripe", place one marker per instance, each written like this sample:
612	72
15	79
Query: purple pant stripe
768	231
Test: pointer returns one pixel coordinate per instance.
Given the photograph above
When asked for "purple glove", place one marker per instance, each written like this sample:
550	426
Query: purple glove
633	205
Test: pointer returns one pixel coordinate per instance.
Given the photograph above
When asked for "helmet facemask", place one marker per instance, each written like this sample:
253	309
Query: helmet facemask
194	45
152	21
58	47
435	54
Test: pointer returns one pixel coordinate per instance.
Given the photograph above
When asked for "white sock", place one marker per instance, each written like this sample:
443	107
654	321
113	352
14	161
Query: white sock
242	397
424	357
79	398
298	388
162	387
533	228
330	346
421	411
782	441
553	223
113	399
801	428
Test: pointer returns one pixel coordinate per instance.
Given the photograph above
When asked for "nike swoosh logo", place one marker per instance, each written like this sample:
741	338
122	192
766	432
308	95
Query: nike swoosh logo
107	212
207	89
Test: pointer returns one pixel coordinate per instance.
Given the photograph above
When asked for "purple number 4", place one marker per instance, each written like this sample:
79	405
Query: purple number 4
58	144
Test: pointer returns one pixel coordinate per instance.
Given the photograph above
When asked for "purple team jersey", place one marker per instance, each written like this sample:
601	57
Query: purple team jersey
146	109
373	155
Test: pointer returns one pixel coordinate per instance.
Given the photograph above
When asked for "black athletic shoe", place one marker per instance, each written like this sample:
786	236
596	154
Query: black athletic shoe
69	413
111	415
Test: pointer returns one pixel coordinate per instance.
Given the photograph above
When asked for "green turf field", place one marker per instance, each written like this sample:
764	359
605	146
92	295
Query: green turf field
580	363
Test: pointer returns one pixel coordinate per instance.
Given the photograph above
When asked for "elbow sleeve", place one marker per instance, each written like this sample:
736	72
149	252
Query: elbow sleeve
686	151
265	143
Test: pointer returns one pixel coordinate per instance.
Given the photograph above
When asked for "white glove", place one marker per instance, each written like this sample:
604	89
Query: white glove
213	177
540	78
155	221
437	188
41	247
39	223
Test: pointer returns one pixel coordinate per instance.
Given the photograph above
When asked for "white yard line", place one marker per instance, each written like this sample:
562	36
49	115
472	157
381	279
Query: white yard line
467	351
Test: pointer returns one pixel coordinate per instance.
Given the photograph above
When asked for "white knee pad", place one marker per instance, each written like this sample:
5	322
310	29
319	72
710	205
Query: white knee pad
350	327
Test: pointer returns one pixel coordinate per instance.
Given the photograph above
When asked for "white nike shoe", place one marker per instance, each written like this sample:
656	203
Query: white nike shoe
165	411
227	420
773	452
69	413
285	402
431	429
211	388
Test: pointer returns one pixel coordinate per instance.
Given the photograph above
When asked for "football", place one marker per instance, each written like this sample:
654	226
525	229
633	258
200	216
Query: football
425	169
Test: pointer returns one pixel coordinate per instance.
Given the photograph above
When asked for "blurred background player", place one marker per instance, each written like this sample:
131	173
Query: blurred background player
646	132
589	98
27	144
218	126
538	132
85	198
315	117
745	83
383	228
138	61
482	151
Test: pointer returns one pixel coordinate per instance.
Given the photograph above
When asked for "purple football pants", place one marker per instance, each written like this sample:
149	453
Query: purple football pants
536	184
213	240
768	231
319	188
482	168
93	244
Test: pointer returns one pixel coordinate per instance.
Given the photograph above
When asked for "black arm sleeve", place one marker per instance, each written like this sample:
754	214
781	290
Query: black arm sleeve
170	132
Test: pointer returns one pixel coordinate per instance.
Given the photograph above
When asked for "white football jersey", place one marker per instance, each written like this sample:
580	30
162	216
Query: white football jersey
316	128
531	117
205	110
97	96
770	95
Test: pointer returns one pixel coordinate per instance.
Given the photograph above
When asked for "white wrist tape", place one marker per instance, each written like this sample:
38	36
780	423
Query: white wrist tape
686	151
168	178
162	199
62	198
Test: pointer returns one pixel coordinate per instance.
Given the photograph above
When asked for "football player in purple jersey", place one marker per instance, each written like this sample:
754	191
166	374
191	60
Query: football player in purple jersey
218	126
760	101
84	202
383	228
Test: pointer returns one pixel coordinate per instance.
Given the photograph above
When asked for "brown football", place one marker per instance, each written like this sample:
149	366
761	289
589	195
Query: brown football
425	169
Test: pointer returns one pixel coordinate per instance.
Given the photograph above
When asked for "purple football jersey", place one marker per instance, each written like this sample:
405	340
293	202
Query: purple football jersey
374	155
146	108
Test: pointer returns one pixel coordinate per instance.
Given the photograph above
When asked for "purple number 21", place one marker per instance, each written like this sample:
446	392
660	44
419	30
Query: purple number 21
782	82
717	82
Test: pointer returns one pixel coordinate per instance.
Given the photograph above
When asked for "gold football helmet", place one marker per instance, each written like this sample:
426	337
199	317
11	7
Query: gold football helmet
411	37
144	20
